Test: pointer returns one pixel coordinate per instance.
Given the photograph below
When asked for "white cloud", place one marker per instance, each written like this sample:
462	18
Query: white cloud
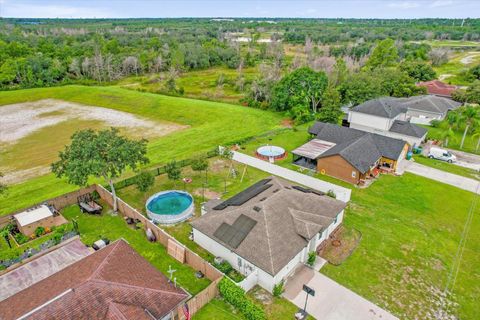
311	11
55	11
441	3
404	4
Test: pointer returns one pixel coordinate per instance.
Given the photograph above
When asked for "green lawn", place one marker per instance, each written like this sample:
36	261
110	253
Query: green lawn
411	227
218	309
470	144
216	184
210	124
93	227
448	167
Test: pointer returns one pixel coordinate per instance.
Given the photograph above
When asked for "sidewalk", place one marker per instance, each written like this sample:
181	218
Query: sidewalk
442	176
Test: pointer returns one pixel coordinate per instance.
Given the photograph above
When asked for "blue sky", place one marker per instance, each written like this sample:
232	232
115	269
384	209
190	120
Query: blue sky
245	8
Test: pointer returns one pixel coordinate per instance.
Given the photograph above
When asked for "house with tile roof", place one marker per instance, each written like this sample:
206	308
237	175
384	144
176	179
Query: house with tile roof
112	283
438	88
268	229
349	154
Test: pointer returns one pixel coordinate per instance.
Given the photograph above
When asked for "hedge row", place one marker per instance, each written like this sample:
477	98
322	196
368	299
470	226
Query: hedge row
235	295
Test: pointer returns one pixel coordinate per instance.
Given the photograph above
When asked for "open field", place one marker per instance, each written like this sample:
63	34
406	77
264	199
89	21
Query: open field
209	124
450	43
26	132
452	71
201	84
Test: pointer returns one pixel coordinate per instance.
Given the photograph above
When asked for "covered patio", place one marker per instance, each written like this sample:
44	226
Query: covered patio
306	155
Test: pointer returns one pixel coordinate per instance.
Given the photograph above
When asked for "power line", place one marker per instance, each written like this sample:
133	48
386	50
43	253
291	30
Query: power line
452	277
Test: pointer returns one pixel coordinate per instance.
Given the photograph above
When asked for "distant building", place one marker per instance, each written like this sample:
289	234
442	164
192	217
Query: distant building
268	229
112	283
438	88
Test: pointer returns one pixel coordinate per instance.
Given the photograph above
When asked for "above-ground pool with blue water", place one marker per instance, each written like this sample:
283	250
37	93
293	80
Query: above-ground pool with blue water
170	206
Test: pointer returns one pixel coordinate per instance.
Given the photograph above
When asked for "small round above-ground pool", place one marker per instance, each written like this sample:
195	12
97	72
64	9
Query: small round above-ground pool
168	207
271	153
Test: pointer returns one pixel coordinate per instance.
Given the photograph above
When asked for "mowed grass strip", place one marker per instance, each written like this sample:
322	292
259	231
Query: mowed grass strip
210	124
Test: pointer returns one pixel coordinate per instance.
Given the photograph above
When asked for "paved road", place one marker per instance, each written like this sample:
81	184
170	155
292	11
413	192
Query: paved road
331	301
342	193
467	160
442	176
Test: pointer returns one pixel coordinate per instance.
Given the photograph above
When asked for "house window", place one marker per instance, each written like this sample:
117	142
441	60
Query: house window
335	220
239	261
354	174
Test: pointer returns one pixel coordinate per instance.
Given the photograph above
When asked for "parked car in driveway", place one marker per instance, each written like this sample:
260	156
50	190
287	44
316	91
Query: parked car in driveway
441	154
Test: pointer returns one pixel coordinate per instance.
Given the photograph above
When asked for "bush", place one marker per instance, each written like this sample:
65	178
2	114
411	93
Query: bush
435	123
236	297
312	256
57	237
21	238
39	231
278	289
224	267
331	194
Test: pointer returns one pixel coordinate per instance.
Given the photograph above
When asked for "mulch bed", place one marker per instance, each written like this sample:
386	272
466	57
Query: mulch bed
340	245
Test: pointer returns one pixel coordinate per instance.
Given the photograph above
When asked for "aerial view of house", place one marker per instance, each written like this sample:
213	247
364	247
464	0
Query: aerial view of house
348	154
239	160
266	230
387	117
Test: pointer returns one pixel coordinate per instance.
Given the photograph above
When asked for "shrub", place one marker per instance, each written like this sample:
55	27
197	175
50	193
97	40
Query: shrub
331	194
236	297
224	267
57	238
39	231
21	238
312	256
435	123
278	289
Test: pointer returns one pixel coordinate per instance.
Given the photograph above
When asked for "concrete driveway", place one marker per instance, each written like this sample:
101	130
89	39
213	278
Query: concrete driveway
442	176
331	301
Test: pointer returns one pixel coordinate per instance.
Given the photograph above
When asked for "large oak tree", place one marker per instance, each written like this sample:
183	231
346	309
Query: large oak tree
103	154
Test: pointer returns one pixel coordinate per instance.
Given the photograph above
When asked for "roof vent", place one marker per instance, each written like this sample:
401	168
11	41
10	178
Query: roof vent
276	190
263	199
258	209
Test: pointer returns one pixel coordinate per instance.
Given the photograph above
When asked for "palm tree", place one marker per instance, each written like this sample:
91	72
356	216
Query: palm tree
452	121
477	135
470	116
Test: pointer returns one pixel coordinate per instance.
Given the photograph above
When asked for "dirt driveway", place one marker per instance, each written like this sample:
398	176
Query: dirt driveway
331	301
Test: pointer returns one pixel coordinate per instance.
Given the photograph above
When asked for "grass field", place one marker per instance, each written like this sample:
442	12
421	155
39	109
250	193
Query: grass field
198	84
409	239
453	70
210	124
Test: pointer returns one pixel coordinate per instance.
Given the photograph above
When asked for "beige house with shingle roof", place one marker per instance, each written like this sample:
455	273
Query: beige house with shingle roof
265	231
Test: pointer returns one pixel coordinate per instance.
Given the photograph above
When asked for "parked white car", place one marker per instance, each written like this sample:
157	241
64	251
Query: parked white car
441	154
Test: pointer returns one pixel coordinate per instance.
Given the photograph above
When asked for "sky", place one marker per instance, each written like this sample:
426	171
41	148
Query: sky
235	8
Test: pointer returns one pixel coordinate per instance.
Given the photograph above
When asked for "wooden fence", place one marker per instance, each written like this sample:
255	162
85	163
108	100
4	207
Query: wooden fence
59	202
176	250
191	258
